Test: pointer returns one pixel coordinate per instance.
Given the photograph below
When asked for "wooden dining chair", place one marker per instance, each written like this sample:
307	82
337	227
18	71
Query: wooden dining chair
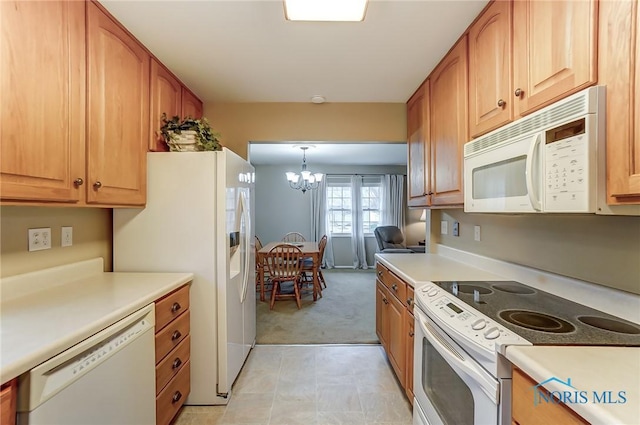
293	237
262	272
284	262
307	265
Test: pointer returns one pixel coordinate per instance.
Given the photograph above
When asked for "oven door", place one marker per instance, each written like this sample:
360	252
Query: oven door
505	178
449	386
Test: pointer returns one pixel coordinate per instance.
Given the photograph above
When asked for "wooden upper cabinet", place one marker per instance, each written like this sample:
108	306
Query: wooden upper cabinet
619	70
554	51
166	97
490	86
448	121
117	112
191	105
42	112
418	146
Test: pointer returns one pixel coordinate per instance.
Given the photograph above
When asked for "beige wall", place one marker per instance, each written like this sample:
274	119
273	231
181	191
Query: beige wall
598	249
91	237
240	123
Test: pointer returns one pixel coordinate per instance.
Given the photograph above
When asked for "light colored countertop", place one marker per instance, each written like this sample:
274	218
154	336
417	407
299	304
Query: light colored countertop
591	369
418	269
54	314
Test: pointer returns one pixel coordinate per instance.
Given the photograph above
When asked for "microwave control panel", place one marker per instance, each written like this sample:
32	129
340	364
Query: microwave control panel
568	165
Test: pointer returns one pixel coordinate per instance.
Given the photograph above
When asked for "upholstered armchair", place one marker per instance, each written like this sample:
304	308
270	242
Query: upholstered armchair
391	240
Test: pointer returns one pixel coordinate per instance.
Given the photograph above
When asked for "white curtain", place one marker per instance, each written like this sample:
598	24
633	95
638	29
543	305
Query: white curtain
393	200
357	234
319	223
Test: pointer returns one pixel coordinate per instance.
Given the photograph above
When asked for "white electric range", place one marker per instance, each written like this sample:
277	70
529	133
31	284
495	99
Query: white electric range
462	330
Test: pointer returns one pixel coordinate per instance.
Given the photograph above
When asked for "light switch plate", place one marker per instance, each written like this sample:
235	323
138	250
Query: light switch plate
444	227
40	239
455	231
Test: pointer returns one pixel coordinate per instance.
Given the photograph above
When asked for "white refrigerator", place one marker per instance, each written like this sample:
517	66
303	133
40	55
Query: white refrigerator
199	218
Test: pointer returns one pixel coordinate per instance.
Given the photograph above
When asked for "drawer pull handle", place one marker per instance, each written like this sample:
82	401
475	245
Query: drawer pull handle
411	333
394	287
176	363
97	185
176	397
386	301
78	182
176	335
518	92
409	301
379	273
175	307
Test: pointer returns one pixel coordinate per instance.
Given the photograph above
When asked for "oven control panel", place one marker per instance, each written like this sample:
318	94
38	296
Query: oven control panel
462	321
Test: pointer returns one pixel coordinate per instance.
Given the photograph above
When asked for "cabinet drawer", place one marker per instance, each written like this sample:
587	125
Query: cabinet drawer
171	306
172	364
410	299
395	285
525	412
169	337
8	396
173	396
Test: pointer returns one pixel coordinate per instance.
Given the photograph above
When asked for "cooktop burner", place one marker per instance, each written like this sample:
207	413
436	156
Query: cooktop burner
537	321
514	289
469	289
610	325
542	318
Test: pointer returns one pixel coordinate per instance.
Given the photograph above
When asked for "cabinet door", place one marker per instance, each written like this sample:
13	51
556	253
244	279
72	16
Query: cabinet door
397	339
619	56
191	105
490	86
554	50
409	350
118	112
417	132
166	97
448	125
382	317
42	112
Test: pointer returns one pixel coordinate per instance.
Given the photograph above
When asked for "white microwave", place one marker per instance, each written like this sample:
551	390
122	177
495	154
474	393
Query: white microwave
544	162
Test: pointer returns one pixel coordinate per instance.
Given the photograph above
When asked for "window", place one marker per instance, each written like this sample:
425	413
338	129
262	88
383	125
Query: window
340	204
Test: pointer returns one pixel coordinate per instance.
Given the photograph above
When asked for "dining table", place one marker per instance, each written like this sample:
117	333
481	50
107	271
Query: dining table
310	249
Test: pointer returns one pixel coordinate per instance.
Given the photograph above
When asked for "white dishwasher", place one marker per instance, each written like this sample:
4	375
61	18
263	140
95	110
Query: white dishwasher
107	379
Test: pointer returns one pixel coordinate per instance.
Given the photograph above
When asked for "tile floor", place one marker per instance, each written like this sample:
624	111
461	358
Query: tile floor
310	385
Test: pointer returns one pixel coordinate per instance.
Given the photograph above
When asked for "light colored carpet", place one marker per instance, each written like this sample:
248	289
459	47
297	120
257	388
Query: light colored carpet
346	313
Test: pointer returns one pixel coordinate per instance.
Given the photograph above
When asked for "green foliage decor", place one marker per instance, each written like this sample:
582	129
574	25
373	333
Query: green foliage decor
206	138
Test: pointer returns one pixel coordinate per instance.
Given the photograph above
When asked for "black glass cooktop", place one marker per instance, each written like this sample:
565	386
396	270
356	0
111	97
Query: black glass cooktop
542	318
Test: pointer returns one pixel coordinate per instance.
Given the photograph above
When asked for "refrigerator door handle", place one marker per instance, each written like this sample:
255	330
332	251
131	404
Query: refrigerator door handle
247	246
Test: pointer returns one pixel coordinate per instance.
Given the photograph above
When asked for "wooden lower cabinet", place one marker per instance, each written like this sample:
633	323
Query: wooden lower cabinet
525	412
8	398
394	324
173	372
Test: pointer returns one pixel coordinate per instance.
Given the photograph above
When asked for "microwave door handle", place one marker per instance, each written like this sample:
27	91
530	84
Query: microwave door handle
457	360
533	197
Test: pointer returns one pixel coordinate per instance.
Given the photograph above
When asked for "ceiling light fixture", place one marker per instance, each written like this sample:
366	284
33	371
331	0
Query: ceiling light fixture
325	10
306	180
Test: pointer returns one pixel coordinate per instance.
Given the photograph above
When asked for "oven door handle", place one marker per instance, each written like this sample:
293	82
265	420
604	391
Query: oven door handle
458	361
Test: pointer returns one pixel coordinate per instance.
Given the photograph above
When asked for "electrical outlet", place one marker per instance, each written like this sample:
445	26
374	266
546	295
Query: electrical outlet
444	227
39	239
456	229
66	236
476	233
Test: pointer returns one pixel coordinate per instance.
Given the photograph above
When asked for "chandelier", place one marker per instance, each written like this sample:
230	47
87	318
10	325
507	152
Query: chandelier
306	180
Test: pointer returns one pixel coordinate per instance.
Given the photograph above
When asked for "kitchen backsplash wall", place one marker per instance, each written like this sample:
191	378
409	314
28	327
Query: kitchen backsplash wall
239	123
598	249
91	237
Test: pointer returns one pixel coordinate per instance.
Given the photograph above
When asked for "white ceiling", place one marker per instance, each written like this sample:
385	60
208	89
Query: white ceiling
245	51
329	153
